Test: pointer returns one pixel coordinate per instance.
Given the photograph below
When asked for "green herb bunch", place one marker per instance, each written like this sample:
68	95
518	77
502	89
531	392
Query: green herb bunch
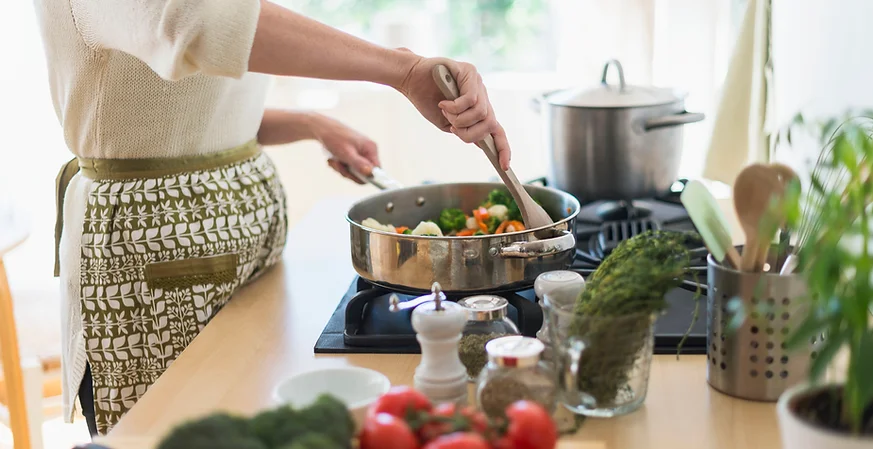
615	312
835	258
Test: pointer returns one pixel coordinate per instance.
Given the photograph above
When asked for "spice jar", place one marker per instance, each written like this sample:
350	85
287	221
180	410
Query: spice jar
515	372
486	320
546	283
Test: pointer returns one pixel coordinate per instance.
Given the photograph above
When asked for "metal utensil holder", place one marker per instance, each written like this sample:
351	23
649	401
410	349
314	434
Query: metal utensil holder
752	362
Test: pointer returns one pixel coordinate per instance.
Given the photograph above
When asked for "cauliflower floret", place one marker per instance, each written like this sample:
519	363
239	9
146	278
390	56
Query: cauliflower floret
498	211
471	223
373	224
427	228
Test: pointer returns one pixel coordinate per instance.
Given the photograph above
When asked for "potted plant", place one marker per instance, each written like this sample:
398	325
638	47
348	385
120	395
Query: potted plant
834	221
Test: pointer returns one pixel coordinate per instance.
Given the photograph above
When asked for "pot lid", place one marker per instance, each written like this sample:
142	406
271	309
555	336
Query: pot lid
619	95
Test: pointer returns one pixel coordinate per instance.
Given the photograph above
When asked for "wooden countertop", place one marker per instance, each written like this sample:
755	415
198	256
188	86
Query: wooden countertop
268	330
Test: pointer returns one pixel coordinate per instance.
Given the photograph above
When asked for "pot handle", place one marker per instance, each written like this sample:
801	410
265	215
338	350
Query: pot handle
614	62
538	248
682	118
380	178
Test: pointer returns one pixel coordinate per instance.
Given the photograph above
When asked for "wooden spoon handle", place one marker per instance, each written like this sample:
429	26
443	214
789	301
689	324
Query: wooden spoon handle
446	83
750	253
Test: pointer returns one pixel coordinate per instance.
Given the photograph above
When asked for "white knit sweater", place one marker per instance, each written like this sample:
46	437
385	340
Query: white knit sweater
143	79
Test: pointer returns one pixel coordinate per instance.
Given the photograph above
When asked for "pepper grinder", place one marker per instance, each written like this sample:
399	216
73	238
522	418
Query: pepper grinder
438	324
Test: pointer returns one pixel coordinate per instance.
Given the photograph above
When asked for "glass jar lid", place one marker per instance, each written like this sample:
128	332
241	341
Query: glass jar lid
485	307
515	351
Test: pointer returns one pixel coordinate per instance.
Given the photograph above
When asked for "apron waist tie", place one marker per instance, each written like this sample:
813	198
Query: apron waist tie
117	169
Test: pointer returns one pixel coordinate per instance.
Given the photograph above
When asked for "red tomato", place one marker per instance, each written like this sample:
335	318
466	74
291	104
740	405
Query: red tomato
458	440
400	401
384	431
467	419
478	421
530	426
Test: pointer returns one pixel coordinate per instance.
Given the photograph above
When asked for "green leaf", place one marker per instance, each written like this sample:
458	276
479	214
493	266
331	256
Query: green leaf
864	375
812	326
829	348
817	184
737	312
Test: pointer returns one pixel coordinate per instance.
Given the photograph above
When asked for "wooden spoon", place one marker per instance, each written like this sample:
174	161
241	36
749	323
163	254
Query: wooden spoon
754	188
533	214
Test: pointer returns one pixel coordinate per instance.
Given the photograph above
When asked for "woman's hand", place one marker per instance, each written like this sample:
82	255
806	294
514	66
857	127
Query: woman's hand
470	116
346	146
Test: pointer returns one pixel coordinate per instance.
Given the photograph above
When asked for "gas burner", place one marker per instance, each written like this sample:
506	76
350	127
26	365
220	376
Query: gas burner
602	226
622	210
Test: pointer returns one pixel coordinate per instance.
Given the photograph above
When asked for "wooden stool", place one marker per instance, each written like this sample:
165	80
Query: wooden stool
12	233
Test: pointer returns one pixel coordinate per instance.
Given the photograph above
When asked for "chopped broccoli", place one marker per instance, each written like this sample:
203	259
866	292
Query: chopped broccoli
513	213
492	223
407	231
219	431
479	233
452	220
499	197
314	441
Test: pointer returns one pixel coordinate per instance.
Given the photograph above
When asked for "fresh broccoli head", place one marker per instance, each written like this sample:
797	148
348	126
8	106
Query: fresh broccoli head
277	427
219	431
452	220
330	417
314	441
326	416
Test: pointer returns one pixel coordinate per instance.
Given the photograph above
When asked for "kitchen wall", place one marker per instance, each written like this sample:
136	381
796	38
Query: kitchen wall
822	64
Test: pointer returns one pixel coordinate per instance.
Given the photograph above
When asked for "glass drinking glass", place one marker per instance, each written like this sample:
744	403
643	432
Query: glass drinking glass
603	362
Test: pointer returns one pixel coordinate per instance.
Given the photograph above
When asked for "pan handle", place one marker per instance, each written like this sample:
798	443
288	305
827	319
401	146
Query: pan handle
565	241
380	178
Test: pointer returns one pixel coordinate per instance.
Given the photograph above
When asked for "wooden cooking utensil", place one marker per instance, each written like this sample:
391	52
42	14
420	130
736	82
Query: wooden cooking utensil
710	223
533	214
754	188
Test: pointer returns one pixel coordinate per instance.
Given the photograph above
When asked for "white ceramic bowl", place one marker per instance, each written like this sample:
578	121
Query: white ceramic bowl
358	388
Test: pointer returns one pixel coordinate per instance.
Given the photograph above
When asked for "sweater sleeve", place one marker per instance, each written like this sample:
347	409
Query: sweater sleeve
176	38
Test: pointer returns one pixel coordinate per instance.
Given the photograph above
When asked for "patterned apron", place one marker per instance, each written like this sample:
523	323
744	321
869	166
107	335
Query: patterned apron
166	243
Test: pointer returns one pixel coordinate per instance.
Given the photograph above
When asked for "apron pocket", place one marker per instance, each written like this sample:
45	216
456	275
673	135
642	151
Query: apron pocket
186	273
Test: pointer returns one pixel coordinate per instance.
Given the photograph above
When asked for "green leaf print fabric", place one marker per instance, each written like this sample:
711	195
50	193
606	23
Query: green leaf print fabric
160	257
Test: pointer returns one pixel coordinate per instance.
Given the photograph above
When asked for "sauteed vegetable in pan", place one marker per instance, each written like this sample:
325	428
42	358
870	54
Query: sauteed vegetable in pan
498	214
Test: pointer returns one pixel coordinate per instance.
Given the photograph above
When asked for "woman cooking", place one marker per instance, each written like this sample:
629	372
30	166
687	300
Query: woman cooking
170	205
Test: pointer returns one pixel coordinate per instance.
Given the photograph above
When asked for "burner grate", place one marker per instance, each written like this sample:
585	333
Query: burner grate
614	232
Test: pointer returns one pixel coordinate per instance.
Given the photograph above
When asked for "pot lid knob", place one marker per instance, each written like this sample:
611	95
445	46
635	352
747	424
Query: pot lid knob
606	95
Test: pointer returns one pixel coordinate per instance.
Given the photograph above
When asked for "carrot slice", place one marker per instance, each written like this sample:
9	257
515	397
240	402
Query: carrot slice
514	226
401	229
466	232
502	227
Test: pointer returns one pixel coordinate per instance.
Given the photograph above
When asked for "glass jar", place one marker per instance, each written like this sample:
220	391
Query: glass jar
546	283
515	371
486	321
603	361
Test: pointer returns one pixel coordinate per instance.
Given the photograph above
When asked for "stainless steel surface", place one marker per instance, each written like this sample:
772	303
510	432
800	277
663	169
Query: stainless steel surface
615	143
459	264
751	362
485	307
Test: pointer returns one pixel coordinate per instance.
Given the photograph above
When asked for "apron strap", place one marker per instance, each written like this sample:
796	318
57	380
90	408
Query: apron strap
65	175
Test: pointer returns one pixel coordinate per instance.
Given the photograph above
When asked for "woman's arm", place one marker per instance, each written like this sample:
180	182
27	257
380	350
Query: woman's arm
280	126
289	44
345	145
